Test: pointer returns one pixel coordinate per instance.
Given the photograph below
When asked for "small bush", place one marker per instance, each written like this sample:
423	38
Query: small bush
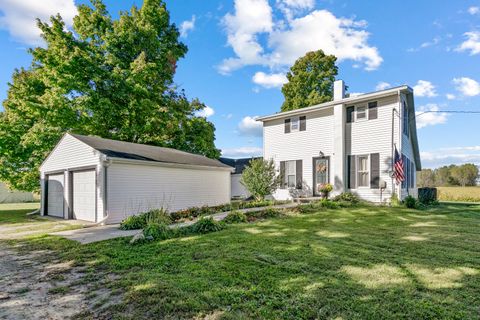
141	220
325	203
263	214
394	201
158	216
206	225
307	208
158	231
410	202
133	222
347	197
235	217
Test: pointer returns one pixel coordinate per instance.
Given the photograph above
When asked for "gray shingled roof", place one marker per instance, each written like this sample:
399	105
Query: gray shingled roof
136	151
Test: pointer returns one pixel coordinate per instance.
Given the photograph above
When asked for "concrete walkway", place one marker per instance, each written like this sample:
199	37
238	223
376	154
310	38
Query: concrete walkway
112	231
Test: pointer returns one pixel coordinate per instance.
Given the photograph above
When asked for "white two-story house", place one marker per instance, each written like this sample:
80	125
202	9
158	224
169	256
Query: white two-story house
349	142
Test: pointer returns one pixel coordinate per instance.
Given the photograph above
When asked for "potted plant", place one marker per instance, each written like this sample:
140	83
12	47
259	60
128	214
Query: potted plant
325	189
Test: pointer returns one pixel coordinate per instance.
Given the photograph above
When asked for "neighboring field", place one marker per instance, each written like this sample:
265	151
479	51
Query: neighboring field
362	263
465	194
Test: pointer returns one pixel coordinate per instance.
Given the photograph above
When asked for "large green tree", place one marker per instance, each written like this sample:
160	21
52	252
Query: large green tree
106	77
310	81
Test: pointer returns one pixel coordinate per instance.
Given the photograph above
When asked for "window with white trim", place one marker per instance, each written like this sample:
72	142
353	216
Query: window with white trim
291	173
294	124
363	171
361	113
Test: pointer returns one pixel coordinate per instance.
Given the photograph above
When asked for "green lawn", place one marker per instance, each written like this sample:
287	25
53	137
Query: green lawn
16	212
361	263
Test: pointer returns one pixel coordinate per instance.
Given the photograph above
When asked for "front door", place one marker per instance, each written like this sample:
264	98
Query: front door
321	169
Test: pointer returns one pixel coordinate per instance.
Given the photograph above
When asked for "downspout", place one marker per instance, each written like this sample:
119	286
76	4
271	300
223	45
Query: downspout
105	162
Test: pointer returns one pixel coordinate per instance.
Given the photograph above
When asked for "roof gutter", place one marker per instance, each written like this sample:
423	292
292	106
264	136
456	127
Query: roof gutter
168	164
349	100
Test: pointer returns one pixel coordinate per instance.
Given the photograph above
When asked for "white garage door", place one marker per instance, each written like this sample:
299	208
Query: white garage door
84	195
55	195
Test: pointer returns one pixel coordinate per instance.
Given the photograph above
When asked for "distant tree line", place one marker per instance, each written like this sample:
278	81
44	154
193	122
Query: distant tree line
452	175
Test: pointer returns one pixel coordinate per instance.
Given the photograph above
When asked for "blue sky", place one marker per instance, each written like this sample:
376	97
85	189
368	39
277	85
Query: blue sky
240	50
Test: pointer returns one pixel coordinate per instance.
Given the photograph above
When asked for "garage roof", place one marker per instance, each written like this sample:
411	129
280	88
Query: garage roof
136	151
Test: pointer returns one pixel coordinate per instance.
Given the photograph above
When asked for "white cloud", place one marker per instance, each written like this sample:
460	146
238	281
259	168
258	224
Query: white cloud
251	17
450	96
424	89
426	44
19	17
320	29
187	26
227	116
467	86
382	86
288	40
273	80
446	156
242	152
205	112
290	8
249	126
425	118
472	43
474	10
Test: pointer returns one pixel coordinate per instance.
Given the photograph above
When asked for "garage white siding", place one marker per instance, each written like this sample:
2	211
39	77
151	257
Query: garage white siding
132	188
83	192
55	196
70	154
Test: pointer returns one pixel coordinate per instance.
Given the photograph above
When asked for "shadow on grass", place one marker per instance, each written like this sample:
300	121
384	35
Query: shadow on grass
353	263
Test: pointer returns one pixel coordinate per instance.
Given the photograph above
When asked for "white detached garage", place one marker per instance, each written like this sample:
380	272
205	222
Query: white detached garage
101	180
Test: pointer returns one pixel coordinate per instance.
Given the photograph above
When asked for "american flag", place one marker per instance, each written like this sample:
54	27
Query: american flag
398	173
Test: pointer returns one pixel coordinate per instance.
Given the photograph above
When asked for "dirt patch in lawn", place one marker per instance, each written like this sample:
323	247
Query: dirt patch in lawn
36	285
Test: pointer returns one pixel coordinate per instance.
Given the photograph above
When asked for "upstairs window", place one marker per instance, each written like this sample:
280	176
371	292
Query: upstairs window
361	113
295	125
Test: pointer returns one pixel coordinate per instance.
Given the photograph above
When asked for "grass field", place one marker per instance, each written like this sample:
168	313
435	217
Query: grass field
360	263
16	212
464	194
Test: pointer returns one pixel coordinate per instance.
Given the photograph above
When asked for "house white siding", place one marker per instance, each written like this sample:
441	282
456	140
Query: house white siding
69	155
374	136
300	145
373	129
132	188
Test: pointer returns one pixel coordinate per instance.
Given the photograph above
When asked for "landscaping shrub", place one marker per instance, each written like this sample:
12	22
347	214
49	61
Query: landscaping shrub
133	222
347	197
394	201
235	217
195	212
410	202
325	203
206	225
141	220
158	231
158	216
264	214
306	208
